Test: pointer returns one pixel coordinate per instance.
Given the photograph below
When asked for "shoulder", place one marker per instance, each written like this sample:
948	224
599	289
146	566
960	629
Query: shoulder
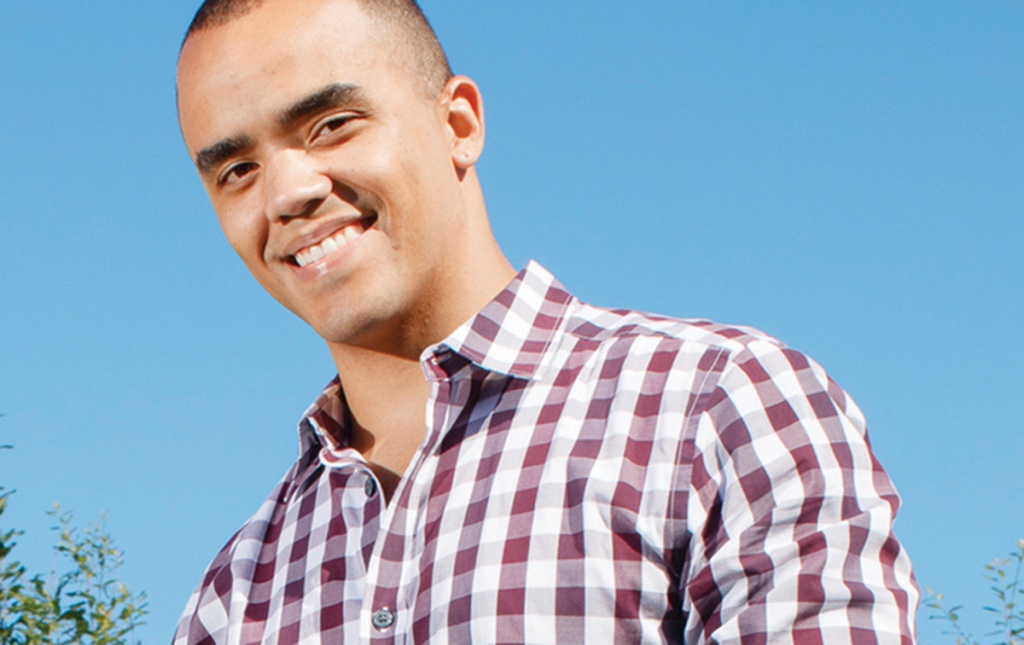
734	357
602	324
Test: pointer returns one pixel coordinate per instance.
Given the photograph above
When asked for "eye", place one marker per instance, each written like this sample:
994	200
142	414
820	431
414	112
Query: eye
332	127
235	173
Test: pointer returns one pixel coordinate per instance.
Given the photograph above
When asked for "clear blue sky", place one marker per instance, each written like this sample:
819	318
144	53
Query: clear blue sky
848	177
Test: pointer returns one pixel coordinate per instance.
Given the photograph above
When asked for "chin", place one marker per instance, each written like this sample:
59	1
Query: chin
349	329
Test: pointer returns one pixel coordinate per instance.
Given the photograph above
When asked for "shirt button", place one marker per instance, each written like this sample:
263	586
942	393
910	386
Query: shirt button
370	487
383	618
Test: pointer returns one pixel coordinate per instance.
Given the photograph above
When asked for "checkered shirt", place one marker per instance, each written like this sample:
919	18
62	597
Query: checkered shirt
587	476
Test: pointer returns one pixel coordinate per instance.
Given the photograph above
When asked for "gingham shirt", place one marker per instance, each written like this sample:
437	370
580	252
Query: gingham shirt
587	476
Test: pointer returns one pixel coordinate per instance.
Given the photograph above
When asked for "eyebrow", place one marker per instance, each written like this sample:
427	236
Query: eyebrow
330	96
209	157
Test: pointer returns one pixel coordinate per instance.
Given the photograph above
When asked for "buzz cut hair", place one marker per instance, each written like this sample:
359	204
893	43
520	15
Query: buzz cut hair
401	21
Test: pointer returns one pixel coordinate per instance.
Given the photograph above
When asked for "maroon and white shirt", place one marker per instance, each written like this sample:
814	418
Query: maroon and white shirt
588	476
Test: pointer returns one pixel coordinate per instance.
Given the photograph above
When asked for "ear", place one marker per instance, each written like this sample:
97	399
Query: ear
465	118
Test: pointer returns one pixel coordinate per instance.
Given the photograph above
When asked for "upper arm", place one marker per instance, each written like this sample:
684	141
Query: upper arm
791	514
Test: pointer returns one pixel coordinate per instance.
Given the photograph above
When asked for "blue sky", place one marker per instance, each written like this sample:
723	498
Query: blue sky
844	176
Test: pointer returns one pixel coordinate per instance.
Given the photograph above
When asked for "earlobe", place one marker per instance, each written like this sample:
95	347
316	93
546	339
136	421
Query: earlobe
465	121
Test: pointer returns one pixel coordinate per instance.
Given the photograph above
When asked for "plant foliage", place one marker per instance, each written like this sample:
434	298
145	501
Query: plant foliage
82	604
1005	576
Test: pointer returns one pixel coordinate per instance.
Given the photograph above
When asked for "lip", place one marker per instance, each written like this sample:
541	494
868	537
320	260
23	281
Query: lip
315	269
320	233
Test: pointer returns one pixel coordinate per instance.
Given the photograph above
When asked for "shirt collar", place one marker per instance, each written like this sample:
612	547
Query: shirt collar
325	422
514	334
516	331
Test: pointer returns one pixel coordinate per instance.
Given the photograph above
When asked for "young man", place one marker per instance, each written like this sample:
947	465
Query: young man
498	462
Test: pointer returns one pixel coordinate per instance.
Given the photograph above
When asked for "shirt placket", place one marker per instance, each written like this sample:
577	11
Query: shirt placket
361	506
392	574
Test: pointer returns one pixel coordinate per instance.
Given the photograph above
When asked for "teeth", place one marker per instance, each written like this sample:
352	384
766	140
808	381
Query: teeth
316	252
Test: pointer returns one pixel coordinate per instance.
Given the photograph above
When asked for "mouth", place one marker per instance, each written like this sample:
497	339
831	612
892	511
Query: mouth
338	240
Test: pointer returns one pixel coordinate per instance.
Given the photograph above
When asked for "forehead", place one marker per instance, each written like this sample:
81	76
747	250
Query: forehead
257	64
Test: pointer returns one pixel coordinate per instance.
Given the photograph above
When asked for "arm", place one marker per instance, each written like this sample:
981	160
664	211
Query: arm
790	514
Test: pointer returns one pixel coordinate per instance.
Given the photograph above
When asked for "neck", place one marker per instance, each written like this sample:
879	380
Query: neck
386	396
383	382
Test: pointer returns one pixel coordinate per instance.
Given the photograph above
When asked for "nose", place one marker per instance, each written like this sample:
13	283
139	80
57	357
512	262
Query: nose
294	185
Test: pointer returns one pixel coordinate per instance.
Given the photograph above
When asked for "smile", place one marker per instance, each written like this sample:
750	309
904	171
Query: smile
332	244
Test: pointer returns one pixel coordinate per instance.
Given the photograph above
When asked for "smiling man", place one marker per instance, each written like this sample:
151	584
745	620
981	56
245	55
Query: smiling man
497	461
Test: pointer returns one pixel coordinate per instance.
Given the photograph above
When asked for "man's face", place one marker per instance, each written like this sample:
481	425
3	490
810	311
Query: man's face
328	164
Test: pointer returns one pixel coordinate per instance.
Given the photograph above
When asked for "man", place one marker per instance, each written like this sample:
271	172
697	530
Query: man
496	461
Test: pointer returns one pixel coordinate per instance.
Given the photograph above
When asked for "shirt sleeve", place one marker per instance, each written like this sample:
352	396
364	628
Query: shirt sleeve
790	514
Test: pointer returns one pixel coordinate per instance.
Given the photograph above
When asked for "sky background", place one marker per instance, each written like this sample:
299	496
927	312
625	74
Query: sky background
848	177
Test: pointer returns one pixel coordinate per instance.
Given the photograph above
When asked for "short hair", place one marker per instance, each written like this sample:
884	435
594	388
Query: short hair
401	20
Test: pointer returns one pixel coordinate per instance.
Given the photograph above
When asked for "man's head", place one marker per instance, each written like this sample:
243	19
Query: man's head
402	22
341	171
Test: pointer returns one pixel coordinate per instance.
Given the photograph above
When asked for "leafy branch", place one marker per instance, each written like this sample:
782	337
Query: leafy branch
1005	576
84	604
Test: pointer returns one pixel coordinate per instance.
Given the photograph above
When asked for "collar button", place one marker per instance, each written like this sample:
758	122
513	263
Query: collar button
370	487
